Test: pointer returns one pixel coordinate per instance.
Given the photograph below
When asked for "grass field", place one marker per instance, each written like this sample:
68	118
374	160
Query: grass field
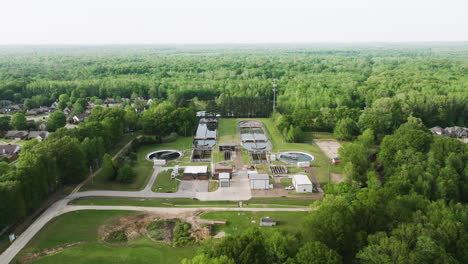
164	183
228	132
143	167
238	222
150	202
181	202
83	226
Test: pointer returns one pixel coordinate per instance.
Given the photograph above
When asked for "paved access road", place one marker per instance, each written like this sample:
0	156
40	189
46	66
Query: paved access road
239	190
61	207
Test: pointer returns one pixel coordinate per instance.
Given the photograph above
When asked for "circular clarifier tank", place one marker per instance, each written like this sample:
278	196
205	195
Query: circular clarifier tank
167	154
295	157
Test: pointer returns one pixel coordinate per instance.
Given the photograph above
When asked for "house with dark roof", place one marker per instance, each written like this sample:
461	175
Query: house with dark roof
9	151
39	135
79	118
437	130
16	134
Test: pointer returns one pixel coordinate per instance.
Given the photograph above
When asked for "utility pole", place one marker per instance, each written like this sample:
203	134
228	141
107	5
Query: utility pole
274	93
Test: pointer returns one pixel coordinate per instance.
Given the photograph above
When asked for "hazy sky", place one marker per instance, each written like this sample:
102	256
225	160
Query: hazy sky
233	21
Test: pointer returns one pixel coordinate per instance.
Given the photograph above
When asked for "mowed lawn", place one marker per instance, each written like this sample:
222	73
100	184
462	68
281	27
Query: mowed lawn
83	226
143	168
238	222
164	183
150	202
228	132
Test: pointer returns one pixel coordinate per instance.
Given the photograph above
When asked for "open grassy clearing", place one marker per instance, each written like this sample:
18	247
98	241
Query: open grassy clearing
143	167
238	222
164	183
227	130
286	182
181	202
140	251
83	226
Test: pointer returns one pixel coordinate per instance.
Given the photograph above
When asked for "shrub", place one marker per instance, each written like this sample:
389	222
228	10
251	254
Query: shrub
117	237
171	138
125	174
182	235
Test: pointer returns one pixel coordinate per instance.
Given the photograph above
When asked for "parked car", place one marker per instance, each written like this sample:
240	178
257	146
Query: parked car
289	188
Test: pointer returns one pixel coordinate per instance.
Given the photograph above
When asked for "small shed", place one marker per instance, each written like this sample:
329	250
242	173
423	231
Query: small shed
259	181
222	167
302	183
224	179
267	221
196	172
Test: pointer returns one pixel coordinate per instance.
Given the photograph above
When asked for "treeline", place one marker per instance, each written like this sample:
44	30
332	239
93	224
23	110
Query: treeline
68	155
431	82
64	158
404	202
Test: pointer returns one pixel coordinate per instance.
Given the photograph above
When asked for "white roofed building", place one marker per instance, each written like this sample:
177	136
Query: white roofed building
196	172
302	183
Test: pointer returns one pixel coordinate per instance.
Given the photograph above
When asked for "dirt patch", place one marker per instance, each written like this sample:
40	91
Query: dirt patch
328	146
136	225
47	252
337	178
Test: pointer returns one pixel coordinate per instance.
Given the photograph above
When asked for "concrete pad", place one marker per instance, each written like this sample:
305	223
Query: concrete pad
328	146
237	191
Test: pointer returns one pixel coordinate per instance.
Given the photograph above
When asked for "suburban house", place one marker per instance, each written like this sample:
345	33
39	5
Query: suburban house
222	167
196	173
54	106
42	126
259	181
16	134
10	109
454	132
302	183
38	111
224	179
79	118
39	135
67	111
109	100
267	221
9	151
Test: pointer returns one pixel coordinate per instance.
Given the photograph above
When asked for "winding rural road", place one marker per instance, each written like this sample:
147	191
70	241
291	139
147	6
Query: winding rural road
61	206
239	190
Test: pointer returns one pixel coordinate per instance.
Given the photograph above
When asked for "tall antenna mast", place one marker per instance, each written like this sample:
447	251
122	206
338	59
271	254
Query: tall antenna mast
274	93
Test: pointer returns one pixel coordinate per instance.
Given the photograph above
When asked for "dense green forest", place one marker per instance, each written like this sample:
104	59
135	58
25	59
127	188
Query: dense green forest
405	201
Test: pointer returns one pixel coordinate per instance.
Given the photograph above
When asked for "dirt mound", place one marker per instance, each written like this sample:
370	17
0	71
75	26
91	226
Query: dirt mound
131	225
136	225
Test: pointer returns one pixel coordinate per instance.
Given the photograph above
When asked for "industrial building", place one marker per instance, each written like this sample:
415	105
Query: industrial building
302	183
